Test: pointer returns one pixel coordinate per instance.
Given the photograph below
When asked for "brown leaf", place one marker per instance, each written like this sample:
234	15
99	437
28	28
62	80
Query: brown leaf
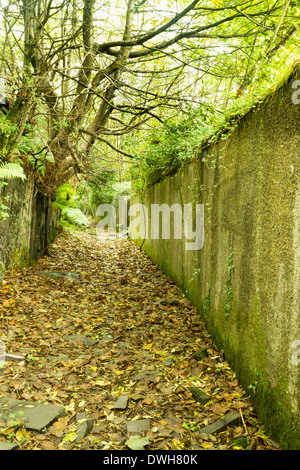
48	445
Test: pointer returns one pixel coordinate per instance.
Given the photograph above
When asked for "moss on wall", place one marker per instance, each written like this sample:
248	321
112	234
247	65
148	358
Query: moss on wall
246	279
30	227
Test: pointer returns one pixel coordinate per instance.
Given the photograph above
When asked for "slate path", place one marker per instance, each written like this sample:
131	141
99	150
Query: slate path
103	351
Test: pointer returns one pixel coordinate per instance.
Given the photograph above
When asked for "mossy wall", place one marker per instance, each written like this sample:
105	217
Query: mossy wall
245	280
30	227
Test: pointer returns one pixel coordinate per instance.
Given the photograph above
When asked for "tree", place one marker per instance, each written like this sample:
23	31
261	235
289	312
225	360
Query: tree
83	72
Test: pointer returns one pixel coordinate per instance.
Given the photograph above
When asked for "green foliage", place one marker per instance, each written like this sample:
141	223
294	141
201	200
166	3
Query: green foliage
166	147
180	140
96	187
32	146
65	202
4	209
100	185
64	197
177	142
241	442
240	47
120	189
12	428
254	384
6	128
25	143
9	171
74	216
9	132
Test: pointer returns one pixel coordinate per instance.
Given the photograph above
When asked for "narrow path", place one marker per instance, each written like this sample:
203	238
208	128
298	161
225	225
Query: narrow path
117	327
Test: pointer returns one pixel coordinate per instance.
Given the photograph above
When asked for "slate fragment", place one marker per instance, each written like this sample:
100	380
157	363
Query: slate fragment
149	376
58	275
200	355
88	341
231	419
121	403
5	445
84	426
138	425
14	358
169	302
199	395
168	362
122	345
36	416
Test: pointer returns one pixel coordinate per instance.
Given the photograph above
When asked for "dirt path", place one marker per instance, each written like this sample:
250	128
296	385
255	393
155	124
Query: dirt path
119	328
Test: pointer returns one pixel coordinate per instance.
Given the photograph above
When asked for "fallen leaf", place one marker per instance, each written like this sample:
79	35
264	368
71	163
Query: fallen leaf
48	445
137	442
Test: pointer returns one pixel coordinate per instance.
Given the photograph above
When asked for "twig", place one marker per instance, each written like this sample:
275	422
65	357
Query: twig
245	427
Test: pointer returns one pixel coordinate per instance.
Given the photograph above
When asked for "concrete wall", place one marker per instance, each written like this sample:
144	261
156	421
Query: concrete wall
245	280
30	227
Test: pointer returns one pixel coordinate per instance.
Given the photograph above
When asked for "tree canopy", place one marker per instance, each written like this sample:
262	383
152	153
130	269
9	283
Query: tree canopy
81	75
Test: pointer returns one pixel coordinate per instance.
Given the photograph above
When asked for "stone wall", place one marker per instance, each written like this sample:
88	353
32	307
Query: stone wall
245	280
30	227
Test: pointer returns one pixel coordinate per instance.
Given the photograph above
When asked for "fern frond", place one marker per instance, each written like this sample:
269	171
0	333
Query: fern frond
9	171
75	216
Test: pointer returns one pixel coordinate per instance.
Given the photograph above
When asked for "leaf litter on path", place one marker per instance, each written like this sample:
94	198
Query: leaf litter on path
116	327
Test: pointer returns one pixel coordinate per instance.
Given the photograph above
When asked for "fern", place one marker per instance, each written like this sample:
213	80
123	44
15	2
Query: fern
75	216
64	197
9	171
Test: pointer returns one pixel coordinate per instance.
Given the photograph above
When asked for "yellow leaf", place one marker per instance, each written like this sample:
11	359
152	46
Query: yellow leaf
22	434
149	346
102	383
148	401
236	395
71	406
8	303
164	423
206	445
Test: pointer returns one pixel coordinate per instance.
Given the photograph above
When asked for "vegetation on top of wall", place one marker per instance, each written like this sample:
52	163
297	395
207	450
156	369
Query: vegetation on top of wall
181	140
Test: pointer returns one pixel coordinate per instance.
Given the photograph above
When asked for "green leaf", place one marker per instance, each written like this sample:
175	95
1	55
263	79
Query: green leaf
70	437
